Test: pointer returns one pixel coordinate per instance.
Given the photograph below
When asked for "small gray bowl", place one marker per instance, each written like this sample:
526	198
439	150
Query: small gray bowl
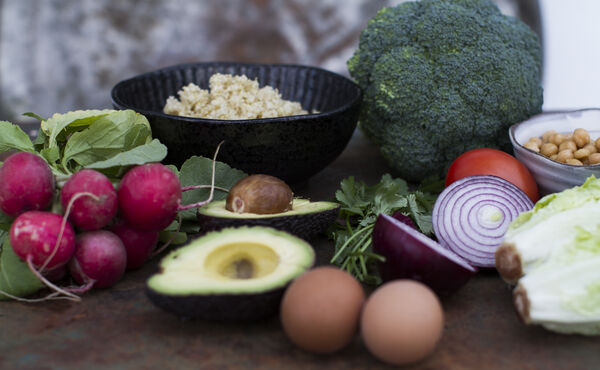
552	176
292	148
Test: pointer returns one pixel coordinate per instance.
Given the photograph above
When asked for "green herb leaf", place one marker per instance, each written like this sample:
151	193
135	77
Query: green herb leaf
198	171
15	276
361	204
13	137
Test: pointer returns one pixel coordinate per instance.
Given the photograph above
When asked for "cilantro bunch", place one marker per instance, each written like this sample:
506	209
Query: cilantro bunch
360	206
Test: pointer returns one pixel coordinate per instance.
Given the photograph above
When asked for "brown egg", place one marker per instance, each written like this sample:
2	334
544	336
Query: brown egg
402	322
320	310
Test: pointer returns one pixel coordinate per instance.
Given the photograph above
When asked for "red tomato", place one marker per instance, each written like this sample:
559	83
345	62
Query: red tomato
485	161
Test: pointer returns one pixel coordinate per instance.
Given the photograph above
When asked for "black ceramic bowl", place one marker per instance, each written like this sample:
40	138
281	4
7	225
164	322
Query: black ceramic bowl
292	148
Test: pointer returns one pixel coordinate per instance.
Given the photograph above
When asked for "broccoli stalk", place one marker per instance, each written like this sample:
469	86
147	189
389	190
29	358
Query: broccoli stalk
441	77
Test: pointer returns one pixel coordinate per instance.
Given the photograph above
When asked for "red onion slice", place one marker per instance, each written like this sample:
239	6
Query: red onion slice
471	216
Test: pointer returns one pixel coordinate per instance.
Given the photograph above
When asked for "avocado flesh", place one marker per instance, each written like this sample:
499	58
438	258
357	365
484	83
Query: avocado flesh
306	219
232	274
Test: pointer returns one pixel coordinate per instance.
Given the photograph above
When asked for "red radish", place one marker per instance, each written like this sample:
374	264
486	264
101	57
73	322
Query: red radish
56	274
149	196
34	235
100	257
90	213
138	244
26	183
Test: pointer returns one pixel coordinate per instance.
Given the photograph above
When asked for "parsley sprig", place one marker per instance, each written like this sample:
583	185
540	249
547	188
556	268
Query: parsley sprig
360	206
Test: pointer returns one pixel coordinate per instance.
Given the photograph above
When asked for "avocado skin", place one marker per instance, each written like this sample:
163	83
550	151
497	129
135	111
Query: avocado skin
221	307
305	226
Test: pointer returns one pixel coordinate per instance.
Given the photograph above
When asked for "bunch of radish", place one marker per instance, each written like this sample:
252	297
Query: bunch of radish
101	232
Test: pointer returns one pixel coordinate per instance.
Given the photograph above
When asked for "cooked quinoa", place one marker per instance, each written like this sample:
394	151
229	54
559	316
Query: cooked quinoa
232	98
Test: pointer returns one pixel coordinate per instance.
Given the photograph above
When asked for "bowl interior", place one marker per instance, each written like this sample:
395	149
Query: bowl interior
562	122
314	88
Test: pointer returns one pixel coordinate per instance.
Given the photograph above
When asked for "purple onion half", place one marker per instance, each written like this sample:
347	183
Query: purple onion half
409	254
471	216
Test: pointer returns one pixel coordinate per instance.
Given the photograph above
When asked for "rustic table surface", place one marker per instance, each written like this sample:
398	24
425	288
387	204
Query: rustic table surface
120	328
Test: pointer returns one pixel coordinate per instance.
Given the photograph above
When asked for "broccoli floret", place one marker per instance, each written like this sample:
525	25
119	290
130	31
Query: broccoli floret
441	77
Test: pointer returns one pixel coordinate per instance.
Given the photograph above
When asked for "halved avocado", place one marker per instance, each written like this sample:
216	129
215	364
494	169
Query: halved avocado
306	219
236	274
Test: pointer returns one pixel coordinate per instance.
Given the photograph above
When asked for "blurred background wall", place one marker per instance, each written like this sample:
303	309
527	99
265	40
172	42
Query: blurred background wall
61	55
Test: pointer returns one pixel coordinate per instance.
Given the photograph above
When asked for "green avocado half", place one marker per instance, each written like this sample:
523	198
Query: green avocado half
306	219
235	274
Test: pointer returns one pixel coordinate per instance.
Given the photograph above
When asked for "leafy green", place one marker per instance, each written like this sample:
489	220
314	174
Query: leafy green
198	171
106	140
56	127
360	206
153	151
5	221
15	276
12	137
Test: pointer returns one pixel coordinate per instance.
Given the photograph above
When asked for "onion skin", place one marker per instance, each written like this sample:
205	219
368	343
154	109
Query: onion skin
410	254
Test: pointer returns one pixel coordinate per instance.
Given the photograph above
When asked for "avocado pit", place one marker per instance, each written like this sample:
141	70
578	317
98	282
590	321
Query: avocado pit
260	194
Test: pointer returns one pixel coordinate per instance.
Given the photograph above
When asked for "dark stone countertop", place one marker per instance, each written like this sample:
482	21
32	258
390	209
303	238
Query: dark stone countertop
120	328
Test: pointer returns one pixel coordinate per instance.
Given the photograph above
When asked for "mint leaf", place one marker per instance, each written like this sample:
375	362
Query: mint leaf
198	171
13	137
15	276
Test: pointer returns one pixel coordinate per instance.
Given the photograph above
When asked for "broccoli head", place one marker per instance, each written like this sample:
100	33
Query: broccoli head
441	77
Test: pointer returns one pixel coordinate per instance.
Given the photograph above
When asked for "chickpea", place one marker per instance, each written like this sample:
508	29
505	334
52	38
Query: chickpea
531	145
569	136
581	137
557	139
574	162
569	144
536	140
548	149
591	148
597	143
581	153
594	158
564	155
553	157
547	135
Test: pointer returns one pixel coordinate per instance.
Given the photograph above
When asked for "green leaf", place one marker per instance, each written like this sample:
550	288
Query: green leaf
51	155
13	137
5	221
33	115
55	125
176	238
153	151
198	171
105	138
15	276
41	141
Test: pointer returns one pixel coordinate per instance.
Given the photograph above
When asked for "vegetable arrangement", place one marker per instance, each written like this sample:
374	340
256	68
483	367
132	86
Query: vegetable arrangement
60	196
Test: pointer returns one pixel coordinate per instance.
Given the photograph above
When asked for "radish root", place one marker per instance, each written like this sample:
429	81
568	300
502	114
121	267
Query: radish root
164	246
64	223
212	184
